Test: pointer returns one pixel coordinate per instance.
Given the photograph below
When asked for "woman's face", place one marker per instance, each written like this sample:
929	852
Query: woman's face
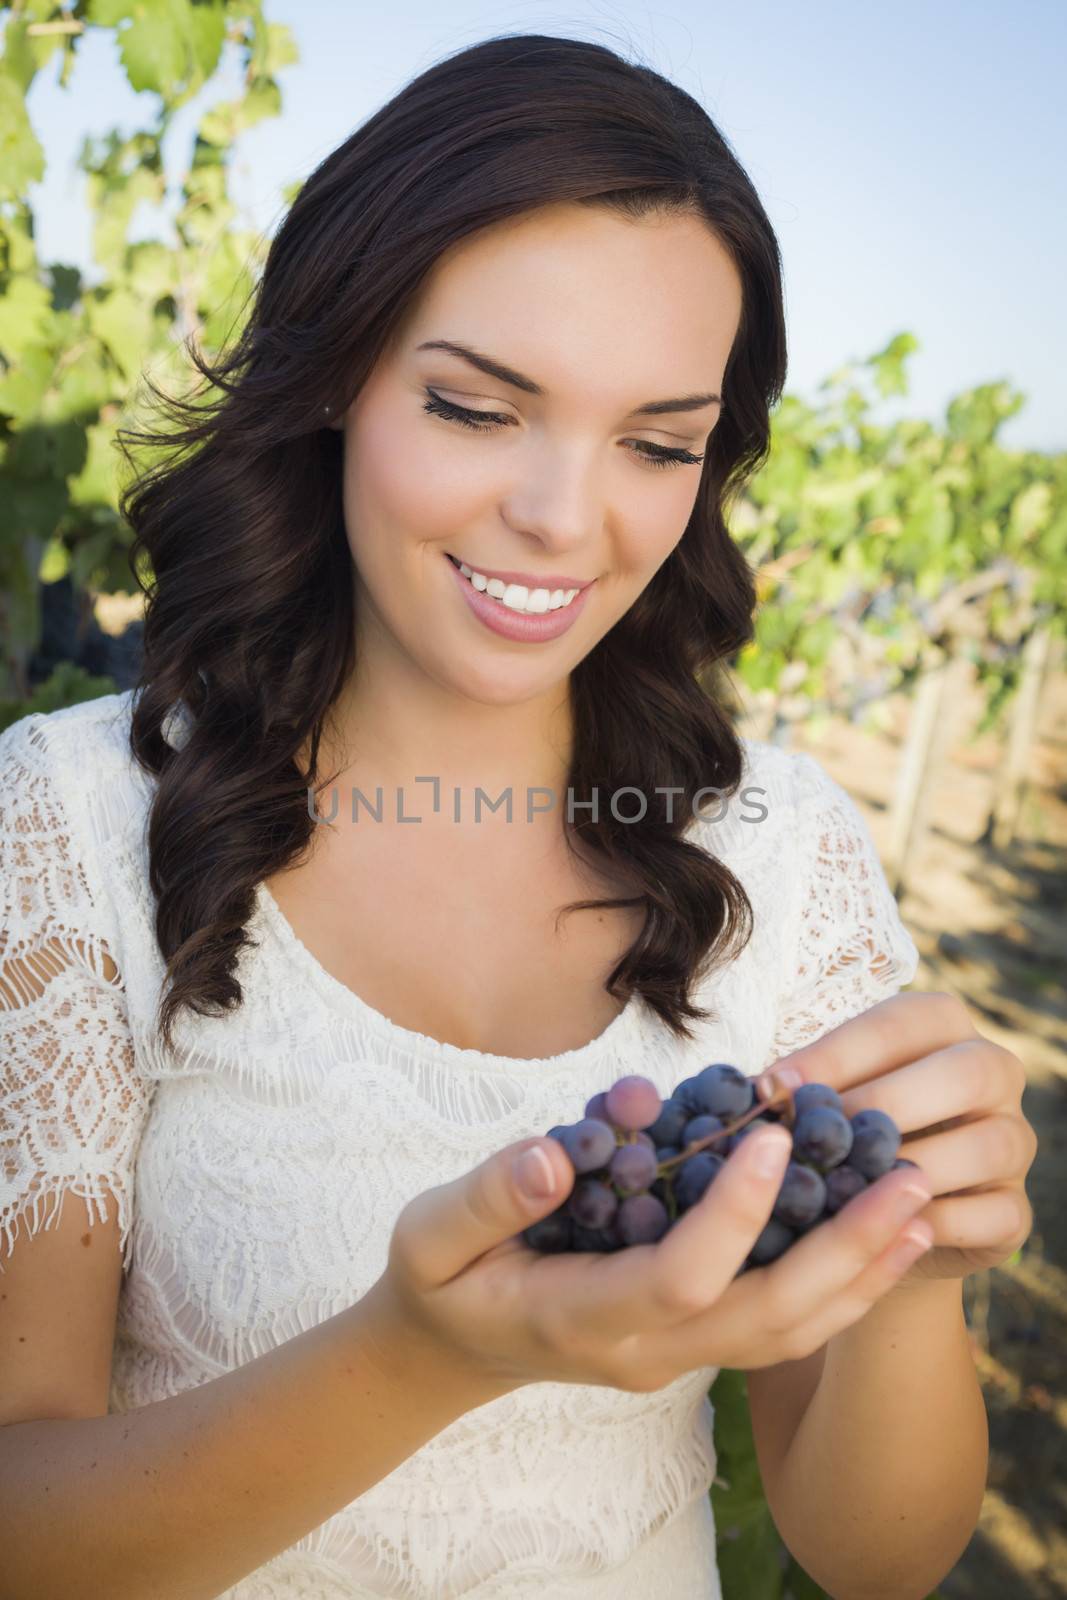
604	317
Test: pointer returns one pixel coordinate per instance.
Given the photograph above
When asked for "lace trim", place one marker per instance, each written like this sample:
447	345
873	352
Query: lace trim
71	1100
851	947
383	1029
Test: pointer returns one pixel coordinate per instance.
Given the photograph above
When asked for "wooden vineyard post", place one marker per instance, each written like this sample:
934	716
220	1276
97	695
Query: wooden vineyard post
1025	714
929	733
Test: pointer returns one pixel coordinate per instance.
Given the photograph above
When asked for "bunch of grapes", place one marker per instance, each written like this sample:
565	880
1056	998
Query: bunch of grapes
641	1161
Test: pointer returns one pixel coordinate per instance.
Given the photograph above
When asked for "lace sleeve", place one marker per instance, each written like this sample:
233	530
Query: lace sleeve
72	1102
851	948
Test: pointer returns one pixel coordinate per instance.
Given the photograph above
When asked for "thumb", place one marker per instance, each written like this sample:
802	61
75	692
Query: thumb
444	1229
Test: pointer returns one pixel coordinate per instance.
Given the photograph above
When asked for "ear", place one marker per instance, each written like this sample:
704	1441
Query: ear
336	423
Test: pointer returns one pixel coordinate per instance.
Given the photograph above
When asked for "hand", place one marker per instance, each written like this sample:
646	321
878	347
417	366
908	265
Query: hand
957	1099
461	1280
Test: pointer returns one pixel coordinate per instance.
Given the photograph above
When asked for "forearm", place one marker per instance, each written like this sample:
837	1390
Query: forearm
881	1487
181	1499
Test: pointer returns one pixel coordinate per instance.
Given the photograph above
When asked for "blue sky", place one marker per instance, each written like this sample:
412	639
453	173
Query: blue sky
912	158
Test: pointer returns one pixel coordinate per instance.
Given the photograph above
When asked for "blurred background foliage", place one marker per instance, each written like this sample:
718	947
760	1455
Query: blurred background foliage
883	552
71	354
882	548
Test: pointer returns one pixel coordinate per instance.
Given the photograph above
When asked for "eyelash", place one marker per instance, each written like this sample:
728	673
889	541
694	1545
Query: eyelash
656	455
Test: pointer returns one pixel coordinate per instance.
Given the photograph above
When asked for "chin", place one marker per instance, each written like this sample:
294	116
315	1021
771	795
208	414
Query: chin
493	686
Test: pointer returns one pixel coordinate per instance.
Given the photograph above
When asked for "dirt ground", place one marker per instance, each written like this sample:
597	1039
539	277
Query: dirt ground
991	927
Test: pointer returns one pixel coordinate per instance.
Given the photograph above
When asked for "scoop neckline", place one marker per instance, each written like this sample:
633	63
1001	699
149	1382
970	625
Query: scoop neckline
345	1000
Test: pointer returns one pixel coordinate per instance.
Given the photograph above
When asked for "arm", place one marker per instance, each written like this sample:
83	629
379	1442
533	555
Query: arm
181	1499
878	1487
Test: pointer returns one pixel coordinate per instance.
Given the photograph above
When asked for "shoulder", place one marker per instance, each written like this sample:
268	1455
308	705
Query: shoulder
68	788
776	786
801	788
787	826
794	775
94	730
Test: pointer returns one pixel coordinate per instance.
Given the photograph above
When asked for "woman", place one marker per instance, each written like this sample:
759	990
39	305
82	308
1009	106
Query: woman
439	575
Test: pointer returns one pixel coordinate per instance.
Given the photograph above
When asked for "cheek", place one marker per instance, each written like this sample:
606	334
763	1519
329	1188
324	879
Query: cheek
401	480
654	526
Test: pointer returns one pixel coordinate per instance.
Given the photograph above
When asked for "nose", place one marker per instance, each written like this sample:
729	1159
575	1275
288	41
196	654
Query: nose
557	506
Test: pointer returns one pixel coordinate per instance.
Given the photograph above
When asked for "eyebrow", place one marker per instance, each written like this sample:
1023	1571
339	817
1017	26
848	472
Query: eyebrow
518	380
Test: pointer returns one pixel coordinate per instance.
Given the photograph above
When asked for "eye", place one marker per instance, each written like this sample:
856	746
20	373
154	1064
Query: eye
485	421
660	456
444	408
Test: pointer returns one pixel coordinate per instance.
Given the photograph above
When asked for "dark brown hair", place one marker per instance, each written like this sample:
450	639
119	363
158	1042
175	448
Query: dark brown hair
249	618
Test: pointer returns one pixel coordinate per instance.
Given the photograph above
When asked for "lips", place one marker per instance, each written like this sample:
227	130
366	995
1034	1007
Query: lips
522	627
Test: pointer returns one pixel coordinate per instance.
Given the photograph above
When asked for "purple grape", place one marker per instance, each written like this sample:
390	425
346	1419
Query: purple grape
800	1198
691	1179
772	1242
600	1240
550	1234
642	1219
620	1197
687	1095
724	1091
590	1144
633	1102
700	1127
591	1203
810	1095
614	1237
668	1126
822	1137
633	1168
842	1185
875	1142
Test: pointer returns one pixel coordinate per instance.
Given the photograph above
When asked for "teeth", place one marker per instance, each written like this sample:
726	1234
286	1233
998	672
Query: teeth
516	596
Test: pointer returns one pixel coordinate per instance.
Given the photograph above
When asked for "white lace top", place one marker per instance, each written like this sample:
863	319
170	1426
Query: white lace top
260	1166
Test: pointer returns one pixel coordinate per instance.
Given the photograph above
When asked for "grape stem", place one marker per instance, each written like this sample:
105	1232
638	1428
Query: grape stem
781	1099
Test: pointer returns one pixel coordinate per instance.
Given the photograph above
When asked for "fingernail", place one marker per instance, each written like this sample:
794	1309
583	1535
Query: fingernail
914	1243
912	1198
781	1078
771	1154
534	1175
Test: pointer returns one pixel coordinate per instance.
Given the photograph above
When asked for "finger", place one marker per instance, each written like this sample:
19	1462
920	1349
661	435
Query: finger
888	1035
996	1219
993	1150
883	1274
443	1229
650	1287
807	1282
969	1078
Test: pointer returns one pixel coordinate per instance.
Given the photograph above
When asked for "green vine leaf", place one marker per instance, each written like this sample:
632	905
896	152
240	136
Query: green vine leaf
21	155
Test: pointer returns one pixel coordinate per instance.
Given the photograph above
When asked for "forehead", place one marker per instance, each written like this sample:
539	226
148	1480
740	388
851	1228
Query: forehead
572	294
